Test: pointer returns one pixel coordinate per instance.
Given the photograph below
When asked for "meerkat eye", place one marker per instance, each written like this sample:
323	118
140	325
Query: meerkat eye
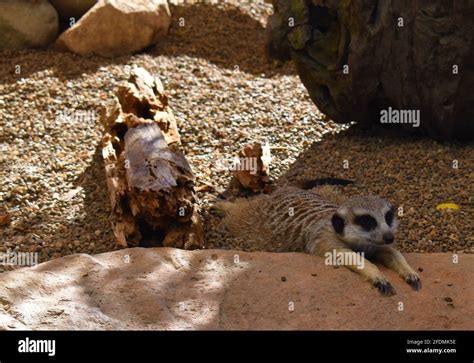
366	221
389	217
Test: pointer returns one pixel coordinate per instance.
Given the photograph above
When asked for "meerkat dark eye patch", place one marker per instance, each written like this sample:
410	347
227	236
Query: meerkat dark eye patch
337	223
389	217
367	222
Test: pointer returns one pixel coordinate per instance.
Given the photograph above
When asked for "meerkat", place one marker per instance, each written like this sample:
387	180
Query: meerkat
292	219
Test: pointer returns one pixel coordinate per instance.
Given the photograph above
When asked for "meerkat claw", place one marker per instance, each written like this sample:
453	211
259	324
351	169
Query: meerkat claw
385	288
414	281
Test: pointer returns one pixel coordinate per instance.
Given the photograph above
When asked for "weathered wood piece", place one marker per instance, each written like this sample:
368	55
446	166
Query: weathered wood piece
252	168
150	183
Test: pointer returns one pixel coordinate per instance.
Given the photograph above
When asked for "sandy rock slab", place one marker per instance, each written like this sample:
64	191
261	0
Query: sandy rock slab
165	288
116	27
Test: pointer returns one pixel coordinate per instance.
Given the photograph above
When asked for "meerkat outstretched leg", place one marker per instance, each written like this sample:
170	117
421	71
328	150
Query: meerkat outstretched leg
370	272
393	259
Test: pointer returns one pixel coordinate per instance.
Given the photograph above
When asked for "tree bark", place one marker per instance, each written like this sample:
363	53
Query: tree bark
404	54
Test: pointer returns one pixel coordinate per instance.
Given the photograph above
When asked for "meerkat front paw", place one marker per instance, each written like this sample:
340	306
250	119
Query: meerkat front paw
384	287
414	281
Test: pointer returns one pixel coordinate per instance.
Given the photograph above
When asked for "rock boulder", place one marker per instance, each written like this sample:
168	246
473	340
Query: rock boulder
116	27
27	23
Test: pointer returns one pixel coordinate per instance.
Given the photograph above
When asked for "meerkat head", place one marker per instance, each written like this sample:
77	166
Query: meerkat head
365	220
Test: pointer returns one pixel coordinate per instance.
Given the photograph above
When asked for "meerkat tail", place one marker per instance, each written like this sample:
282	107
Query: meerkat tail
330	193
310	184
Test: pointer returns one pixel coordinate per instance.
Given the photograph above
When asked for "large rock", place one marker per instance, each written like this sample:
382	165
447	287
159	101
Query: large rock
408	55
68	9
27	23
115	27
164	288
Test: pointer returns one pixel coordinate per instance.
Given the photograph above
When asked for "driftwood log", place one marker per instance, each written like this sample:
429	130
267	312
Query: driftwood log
358	57
150	183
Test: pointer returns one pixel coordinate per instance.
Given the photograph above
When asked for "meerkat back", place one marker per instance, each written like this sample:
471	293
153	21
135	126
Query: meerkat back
277	222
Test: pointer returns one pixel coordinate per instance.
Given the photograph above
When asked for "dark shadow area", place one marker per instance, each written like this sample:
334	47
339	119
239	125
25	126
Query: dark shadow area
64	65
96	209
228	38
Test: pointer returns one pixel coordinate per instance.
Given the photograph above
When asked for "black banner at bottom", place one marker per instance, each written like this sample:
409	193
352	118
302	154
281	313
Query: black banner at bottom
236	345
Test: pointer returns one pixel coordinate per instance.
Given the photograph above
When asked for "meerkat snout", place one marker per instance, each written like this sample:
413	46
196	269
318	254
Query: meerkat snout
388	238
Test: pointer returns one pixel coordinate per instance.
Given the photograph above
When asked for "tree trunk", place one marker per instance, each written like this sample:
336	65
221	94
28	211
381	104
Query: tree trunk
360	57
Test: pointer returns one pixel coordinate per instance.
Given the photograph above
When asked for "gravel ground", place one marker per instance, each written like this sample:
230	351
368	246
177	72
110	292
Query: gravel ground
224	95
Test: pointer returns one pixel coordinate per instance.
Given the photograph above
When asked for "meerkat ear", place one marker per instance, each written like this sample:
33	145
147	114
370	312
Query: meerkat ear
337	223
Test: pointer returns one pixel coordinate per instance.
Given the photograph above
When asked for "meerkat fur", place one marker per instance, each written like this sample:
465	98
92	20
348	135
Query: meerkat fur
319	222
